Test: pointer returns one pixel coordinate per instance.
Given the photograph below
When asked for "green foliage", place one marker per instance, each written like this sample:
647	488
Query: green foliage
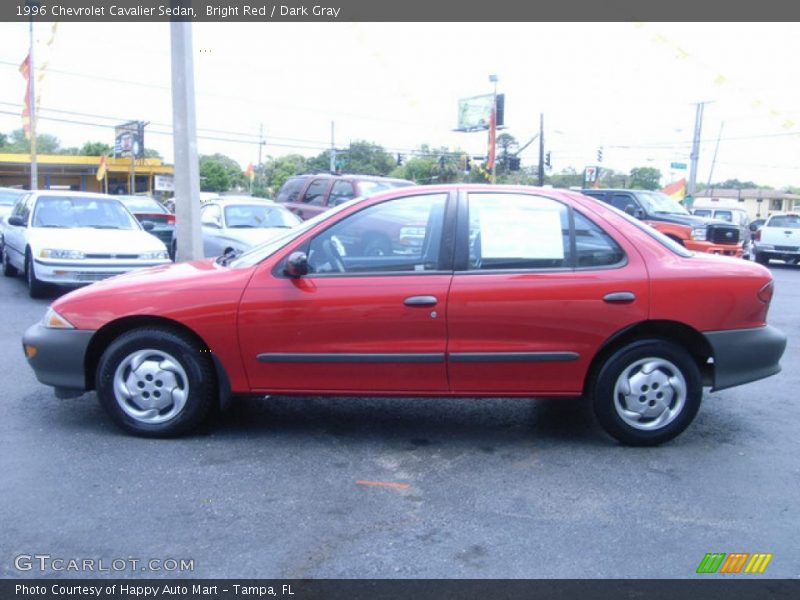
364	158
95	149
645	178
275	171
18	143
220	173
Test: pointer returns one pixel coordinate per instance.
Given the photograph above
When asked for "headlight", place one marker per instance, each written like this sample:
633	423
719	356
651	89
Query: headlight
70	254
156	255
699	234
53	320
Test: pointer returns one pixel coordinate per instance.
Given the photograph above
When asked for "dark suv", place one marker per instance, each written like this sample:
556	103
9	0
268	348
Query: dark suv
309	195
670	218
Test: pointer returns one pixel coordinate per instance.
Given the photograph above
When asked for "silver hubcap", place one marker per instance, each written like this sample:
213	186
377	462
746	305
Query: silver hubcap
151	386
650	393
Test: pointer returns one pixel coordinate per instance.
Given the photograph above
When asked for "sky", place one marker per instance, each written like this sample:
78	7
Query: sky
628	87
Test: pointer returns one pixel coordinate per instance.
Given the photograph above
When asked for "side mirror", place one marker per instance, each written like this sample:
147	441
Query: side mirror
16	221
630	209
148	225
296	264
212	223
638	213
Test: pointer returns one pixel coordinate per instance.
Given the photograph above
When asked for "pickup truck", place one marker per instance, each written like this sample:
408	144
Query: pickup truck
778	238
670	218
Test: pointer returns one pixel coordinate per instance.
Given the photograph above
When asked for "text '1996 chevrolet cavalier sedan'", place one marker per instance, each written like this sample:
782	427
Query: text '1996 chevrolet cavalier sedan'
506	292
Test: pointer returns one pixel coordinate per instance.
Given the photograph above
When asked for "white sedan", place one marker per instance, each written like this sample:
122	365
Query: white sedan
74	238
232	223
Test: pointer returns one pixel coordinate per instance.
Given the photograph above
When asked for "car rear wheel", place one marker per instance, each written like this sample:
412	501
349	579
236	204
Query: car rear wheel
36	288
156	382
647	392
8	269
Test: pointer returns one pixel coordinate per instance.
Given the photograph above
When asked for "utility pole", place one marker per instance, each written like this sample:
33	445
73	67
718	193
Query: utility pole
541	149
698	127
32	111
333	150
261	143
187	168
716	150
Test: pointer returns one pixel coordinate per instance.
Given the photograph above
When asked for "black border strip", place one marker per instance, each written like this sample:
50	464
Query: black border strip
471	357
348	357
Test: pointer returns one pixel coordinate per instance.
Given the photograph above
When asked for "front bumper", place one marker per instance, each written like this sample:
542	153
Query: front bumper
83	272
745	355
59	357
712	248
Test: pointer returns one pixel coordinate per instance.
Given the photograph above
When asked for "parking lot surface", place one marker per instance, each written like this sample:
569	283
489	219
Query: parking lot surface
507	488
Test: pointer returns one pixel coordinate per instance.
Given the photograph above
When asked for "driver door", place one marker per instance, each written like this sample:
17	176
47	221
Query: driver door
369	317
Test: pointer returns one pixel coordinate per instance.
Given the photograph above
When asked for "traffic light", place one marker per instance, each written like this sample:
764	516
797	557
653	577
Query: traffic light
468	164
547	160
513	163
441	162
399	159
600	154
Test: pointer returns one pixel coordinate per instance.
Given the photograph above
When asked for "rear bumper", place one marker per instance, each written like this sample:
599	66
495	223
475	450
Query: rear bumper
712	248
59	357
745	355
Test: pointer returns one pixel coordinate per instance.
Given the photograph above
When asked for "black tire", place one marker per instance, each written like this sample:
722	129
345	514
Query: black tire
8	269
762	259
36	288
200	381
668	356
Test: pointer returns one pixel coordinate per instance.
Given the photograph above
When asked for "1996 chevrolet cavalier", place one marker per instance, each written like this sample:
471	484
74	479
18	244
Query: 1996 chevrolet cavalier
476	291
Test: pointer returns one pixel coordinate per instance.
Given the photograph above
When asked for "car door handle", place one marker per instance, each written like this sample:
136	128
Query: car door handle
421	301
622	297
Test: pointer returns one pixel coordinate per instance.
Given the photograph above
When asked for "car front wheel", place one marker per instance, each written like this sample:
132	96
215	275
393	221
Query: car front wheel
36	288
156	382
647	392
762	259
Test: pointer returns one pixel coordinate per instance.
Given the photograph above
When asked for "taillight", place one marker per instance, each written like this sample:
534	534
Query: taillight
170	219
757	235
765	293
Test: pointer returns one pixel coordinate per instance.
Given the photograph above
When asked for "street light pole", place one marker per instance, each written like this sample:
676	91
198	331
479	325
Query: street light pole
541	149
32	111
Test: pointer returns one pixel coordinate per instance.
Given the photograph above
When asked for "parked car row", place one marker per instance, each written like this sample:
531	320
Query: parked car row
499	291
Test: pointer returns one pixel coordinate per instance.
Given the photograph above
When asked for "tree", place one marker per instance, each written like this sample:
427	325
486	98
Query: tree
361	157
275	171
645	178
507	146
215	165
95	149
45	143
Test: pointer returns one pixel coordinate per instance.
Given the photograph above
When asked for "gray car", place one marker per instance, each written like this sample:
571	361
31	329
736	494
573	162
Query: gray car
240	222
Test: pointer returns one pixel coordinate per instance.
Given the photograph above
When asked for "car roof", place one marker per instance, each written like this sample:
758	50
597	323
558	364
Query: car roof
223	200
352	177
73	194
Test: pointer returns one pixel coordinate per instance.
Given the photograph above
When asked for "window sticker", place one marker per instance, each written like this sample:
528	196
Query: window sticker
517	232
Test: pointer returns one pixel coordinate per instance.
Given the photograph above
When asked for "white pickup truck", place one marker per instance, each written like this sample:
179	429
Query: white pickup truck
778	238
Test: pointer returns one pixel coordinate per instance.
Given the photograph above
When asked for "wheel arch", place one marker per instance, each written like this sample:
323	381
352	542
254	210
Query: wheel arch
672	331
104	336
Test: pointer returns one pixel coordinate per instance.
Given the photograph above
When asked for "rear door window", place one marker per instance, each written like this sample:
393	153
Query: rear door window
315	194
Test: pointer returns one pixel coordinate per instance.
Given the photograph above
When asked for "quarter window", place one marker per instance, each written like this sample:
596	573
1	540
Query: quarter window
342	191
290	190
510	231
593	246
401	235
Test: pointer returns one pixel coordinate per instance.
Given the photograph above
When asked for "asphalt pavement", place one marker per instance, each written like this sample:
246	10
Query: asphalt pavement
508	488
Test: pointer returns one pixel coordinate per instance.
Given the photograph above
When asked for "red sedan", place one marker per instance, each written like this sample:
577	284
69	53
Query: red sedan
510	291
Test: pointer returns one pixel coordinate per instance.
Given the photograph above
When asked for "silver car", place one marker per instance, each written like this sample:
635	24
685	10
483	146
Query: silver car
237	223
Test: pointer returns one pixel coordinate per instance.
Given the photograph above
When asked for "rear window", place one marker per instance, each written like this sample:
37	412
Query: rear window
786	221
290	190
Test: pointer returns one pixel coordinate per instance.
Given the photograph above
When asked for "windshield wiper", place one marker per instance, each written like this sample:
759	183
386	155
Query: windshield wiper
55	226
241	226
104	227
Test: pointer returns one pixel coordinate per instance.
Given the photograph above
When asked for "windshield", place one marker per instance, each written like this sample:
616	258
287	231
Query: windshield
10	197
258	253
656	202
259	216
142	204
368	188
74	211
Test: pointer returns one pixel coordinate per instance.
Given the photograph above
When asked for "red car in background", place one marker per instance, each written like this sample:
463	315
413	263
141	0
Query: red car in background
506	291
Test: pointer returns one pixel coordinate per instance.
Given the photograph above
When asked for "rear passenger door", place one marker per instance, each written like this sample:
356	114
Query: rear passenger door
538	287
